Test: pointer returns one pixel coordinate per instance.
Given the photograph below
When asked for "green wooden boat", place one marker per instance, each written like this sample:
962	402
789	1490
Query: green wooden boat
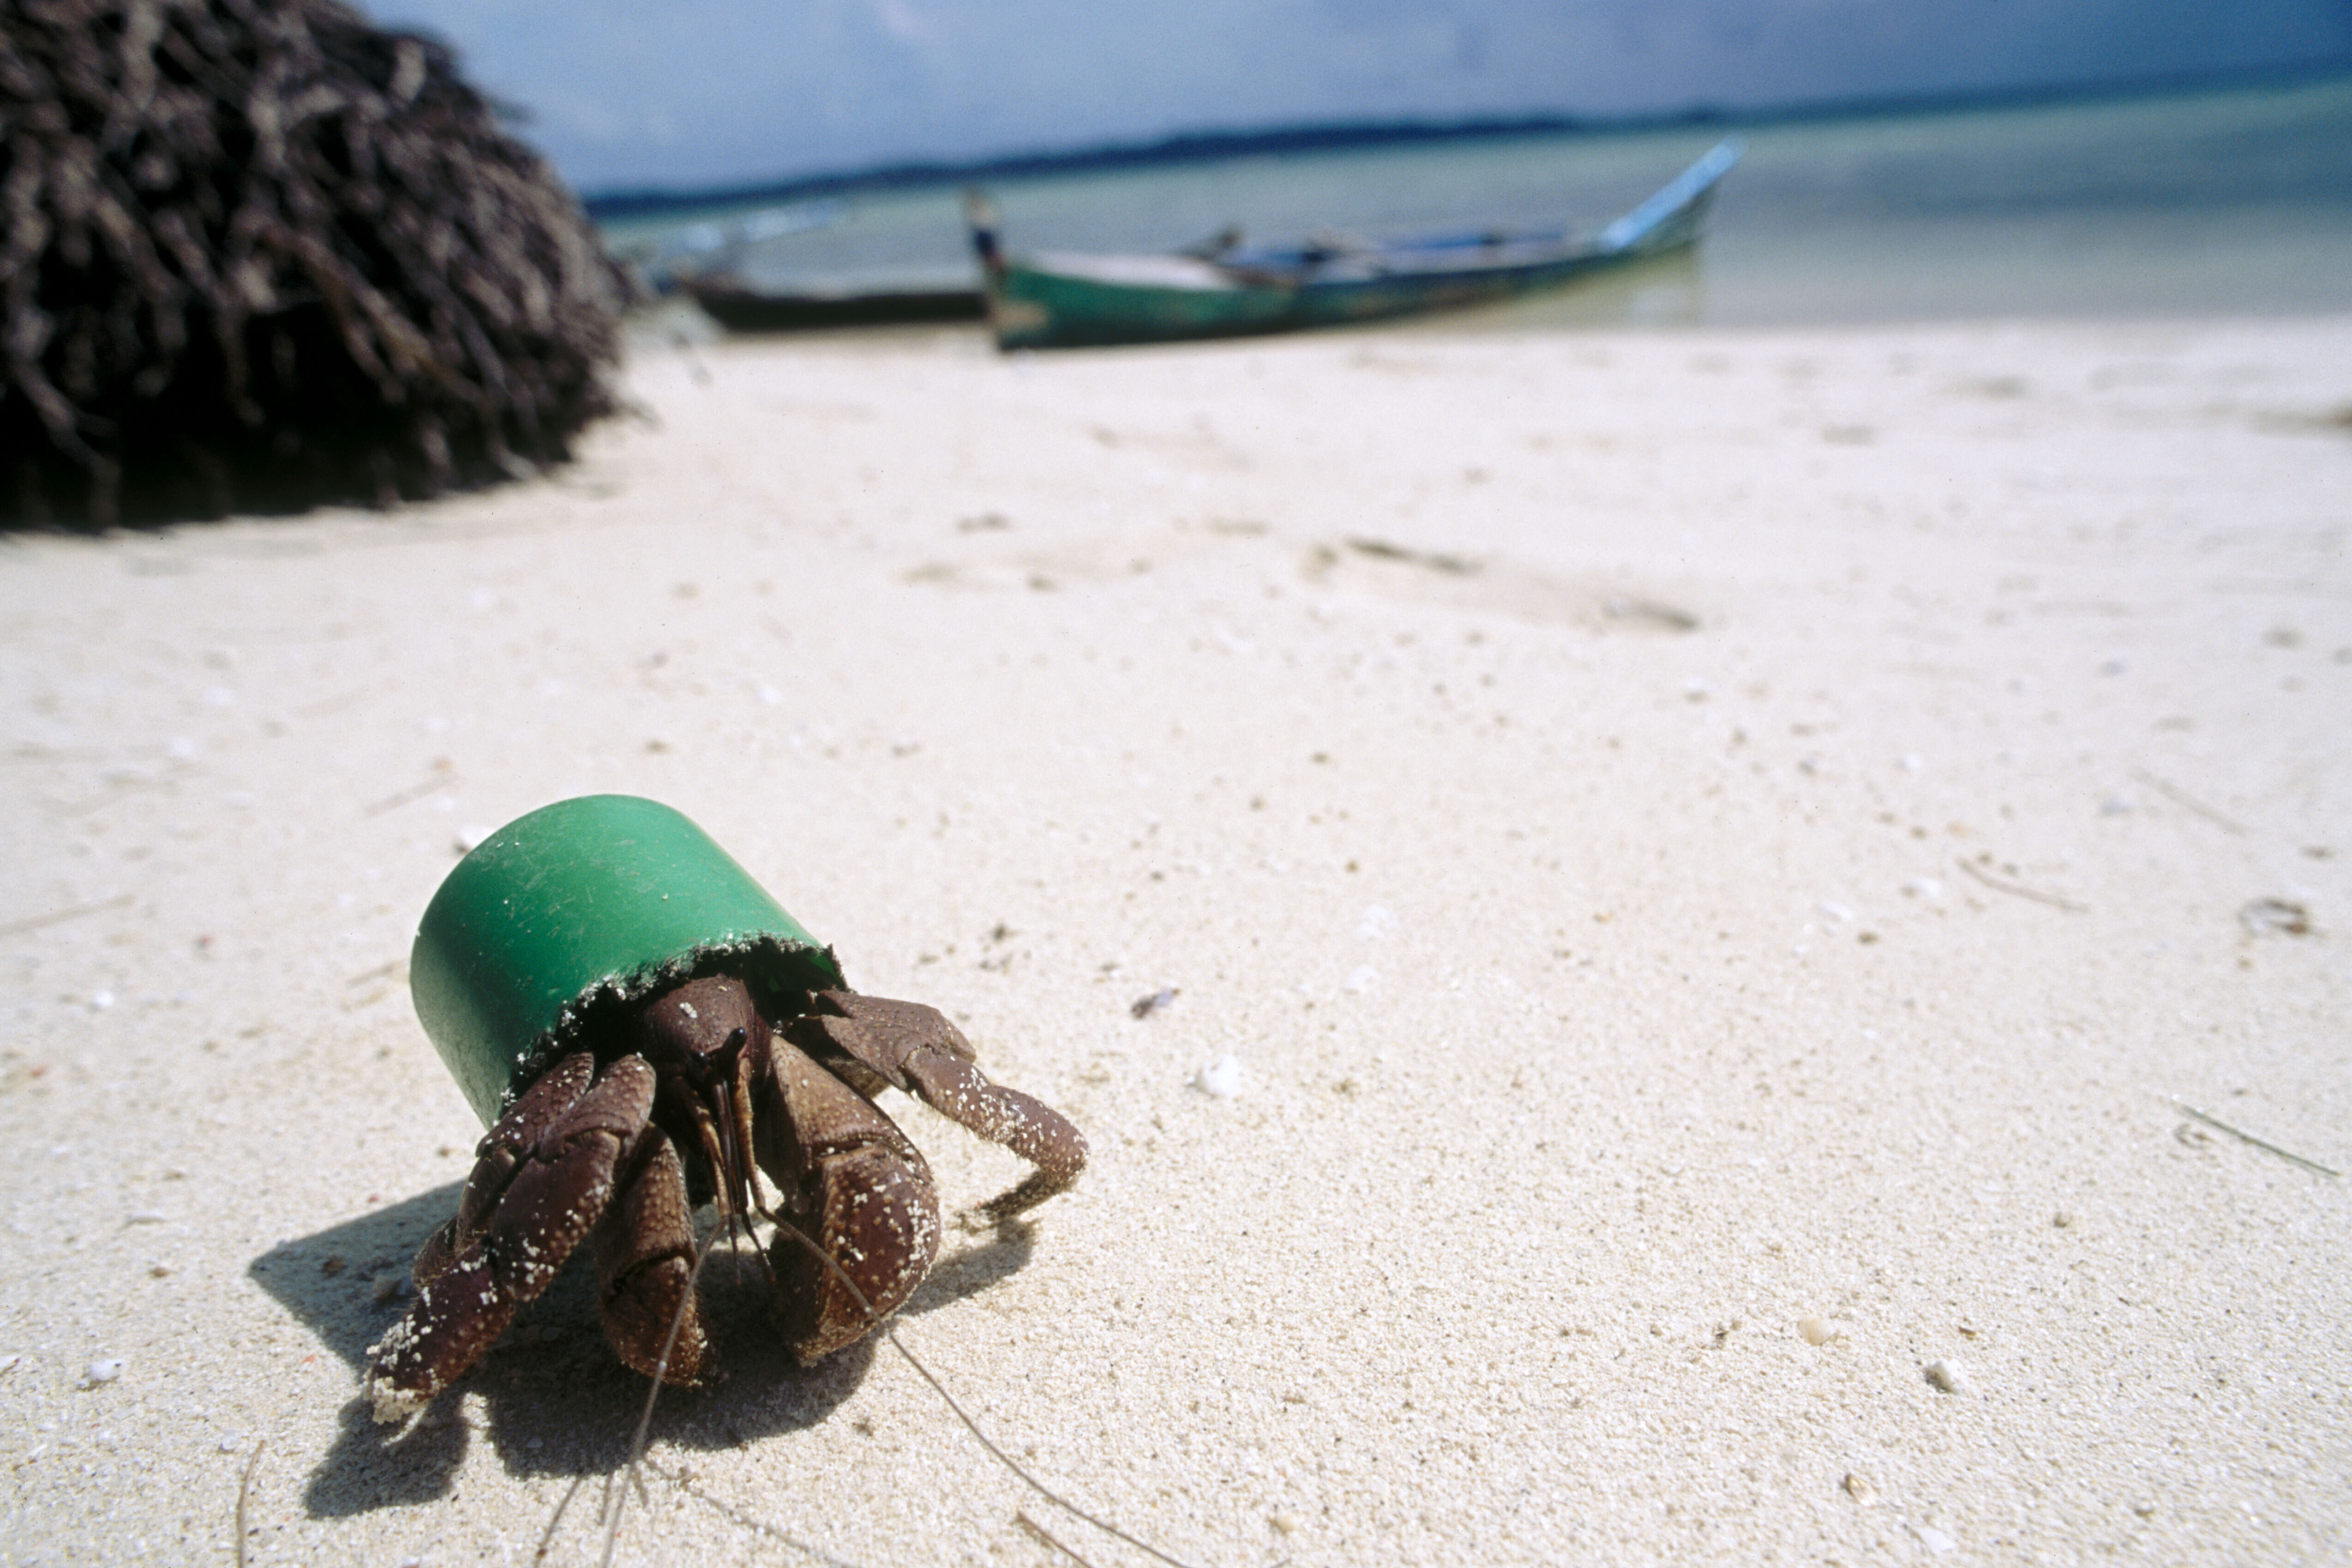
1227	290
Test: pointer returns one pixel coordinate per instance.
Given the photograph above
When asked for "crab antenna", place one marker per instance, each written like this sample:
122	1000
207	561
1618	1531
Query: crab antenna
721	1142
890	1333
612	1508
1042	1533
547	1536
734	1165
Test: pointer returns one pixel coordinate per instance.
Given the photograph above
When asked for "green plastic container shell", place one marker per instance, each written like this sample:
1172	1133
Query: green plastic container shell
607	897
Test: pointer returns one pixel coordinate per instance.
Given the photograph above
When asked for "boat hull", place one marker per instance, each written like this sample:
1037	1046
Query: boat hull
741	309
1050	303
1032	307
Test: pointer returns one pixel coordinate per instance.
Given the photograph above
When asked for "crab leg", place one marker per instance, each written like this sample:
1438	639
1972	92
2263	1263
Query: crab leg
501	1152
645	1264
914	1047
544	1176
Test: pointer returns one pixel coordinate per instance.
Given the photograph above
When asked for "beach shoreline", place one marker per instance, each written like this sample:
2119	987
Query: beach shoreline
1680	835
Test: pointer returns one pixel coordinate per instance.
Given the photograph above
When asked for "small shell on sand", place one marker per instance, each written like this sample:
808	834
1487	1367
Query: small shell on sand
1220	1079
1948	1376
1816	1331
1858	1487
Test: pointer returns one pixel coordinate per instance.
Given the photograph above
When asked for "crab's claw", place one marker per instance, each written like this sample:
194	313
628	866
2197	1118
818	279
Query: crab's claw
863	1220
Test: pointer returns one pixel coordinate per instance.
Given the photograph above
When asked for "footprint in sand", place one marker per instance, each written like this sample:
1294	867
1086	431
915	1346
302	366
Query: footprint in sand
1491	585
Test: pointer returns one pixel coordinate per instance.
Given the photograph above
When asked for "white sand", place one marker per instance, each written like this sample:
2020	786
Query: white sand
1605	996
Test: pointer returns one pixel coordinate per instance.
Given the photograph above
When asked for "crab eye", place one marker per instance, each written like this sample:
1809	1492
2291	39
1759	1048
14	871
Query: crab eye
736	1037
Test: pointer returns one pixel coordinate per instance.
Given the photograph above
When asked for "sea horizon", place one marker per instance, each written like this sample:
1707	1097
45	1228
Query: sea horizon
2213	198
1211	143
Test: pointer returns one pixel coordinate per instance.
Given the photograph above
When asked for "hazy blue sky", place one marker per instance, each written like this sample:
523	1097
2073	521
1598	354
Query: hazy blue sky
703	92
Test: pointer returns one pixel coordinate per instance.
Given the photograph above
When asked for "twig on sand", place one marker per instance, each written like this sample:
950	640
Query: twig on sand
2187	802
2243	1137
58	916
245	1486
2019	890
442	779
1434	561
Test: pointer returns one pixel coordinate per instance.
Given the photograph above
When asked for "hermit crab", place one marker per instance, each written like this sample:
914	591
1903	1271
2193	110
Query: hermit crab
645	1031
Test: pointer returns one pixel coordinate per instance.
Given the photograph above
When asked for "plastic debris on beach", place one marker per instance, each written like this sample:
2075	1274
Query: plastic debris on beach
1220	1079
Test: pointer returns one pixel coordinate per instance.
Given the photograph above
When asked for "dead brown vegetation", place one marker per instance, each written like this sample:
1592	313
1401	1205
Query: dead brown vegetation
257	255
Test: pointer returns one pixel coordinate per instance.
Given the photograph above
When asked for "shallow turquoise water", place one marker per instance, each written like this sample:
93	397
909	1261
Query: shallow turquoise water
2222	202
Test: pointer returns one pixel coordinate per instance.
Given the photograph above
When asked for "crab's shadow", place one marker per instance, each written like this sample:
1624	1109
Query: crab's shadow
554	1400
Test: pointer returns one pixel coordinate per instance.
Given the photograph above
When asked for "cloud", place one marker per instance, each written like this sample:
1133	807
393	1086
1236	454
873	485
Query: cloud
750	89
901	21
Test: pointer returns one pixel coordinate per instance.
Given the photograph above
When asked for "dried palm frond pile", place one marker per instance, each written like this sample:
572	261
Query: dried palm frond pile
257	255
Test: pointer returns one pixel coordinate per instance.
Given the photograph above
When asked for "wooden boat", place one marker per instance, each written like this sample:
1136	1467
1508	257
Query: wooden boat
742	309
706	261
1225	288
715	247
